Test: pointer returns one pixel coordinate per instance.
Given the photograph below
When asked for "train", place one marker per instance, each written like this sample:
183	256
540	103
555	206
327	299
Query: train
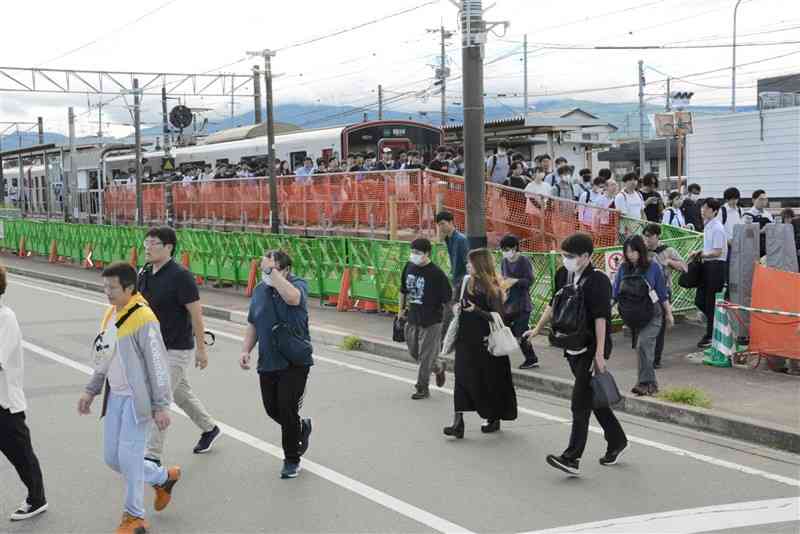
239	146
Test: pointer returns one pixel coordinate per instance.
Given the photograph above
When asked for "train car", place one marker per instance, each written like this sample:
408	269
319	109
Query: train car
294	146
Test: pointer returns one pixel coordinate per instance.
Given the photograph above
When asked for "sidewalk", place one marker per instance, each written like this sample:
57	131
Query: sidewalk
754	405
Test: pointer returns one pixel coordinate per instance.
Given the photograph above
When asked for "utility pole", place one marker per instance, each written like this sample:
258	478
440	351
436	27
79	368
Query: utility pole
137	132
641	119
733	65
168	201
380	102
233	102
668	140
257	93
273	184
525	75
100	121
71	181
40	125
473	37
442	72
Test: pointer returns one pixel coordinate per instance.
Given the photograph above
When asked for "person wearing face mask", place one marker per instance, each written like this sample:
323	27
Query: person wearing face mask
424	293
498	165
517	272
280	303
578	271
691	208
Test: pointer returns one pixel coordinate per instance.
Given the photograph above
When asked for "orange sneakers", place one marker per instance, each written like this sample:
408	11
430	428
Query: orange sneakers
132	525
164	491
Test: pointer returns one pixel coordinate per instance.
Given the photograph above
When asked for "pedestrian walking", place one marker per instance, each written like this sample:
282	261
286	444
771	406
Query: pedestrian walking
172	294
640	292
517	272
15	438
424	293
482	381
131	369
278	322
714	256
457	249
670	261
590	346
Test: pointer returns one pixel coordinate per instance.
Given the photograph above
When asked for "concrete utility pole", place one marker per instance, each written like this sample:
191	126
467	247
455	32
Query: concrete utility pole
473	37
273	184
733	64
525	75
257	94
442	72
168	201
380	102
137	132
100	121
40	125
72	180
641	119
668	140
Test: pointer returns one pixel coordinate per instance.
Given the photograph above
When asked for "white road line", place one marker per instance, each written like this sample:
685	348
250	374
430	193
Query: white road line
368	492
692	520
795	483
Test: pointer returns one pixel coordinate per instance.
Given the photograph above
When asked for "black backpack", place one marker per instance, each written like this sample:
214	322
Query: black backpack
568	329
633	300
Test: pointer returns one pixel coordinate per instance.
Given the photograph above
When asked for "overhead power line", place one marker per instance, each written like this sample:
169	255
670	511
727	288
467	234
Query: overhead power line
655	47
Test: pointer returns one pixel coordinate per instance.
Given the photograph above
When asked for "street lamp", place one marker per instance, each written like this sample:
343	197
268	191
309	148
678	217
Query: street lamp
733	66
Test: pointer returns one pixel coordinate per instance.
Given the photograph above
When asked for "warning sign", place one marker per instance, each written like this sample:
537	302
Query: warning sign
168	165
612	263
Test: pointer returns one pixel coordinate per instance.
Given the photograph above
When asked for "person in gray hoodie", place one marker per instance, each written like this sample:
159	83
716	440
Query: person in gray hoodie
131	368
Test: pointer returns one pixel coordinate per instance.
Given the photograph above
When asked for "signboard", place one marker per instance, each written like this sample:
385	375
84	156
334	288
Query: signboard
683	122
168	164
665	124
613	260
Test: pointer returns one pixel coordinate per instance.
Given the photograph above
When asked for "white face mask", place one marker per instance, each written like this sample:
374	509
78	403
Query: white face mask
570	264
509	254
416	259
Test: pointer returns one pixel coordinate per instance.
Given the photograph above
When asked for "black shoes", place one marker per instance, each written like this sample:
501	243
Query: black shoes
704	343
492	425
421	394
612	456
305	434
457	429
570	467
529	364
207	440
26	511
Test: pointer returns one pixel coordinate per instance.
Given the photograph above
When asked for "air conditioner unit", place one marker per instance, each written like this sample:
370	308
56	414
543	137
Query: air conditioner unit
769	99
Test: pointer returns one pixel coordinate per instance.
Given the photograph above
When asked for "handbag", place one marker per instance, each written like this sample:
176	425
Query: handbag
399	330
693	277
501	341
605	392
293	345
449	342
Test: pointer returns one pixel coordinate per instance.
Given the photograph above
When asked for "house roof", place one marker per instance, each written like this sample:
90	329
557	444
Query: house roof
560	113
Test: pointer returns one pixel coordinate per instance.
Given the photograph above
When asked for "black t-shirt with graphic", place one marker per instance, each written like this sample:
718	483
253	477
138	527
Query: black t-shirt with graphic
427	291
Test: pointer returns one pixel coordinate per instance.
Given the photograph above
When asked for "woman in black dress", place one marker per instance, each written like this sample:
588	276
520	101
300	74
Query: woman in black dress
483	381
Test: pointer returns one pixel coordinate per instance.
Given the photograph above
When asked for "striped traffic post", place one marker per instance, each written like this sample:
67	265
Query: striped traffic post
722	342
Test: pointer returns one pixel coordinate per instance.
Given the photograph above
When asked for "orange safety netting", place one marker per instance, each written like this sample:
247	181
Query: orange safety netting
771	333
367	202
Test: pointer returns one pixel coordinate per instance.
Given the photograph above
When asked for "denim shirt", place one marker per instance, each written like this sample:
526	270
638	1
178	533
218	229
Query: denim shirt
457	248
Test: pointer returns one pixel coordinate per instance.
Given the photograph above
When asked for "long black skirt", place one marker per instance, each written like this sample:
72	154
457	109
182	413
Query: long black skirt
483	383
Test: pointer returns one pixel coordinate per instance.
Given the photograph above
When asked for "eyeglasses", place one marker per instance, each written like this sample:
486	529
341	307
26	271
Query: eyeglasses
152	244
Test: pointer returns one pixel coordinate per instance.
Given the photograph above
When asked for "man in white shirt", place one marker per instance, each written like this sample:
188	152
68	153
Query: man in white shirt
730	214
759	215
15	438
303	174
714	256
629	201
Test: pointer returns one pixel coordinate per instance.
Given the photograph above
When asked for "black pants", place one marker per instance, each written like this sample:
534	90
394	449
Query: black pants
282	393
15	444
712	283
519	325
582	410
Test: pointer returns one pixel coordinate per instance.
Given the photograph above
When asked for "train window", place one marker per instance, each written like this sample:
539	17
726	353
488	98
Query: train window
221	162
296	159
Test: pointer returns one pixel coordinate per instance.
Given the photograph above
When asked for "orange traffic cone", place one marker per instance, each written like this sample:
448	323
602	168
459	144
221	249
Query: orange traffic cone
252	278
367	306
53	256
185	260
87	257
344	303
22	253
134	257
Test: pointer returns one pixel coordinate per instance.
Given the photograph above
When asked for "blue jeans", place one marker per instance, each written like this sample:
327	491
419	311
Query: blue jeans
124	441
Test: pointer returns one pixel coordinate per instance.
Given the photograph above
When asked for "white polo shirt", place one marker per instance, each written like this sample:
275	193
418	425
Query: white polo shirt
714	237
12	397
630	204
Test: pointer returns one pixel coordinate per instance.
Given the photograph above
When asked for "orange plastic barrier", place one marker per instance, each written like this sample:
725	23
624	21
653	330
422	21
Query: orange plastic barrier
773	334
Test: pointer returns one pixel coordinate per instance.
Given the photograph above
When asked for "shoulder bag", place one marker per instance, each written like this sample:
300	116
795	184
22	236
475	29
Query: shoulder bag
449	342
291	343
501	341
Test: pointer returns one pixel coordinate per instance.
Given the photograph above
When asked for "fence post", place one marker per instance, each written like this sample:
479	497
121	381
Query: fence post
392	217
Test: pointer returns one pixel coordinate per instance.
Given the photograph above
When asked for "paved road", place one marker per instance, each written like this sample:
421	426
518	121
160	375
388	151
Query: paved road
378	461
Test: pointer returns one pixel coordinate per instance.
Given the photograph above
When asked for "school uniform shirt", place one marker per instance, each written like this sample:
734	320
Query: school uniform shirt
673	217
762	218
730	217
427	291
593	199
714	237
630	204
541	188
517	182
12	398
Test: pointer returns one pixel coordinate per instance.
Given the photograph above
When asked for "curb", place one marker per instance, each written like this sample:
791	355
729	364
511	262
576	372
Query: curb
730	426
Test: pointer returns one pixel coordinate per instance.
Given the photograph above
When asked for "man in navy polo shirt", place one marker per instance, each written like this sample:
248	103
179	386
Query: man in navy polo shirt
280	298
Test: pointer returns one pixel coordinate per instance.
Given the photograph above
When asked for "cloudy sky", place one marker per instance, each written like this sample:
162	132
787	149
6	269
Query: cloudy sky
398	52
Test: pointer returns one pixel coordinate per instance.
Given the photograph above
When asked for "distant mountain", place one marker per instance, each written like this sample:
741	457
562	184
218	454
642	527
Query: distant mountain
623	115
